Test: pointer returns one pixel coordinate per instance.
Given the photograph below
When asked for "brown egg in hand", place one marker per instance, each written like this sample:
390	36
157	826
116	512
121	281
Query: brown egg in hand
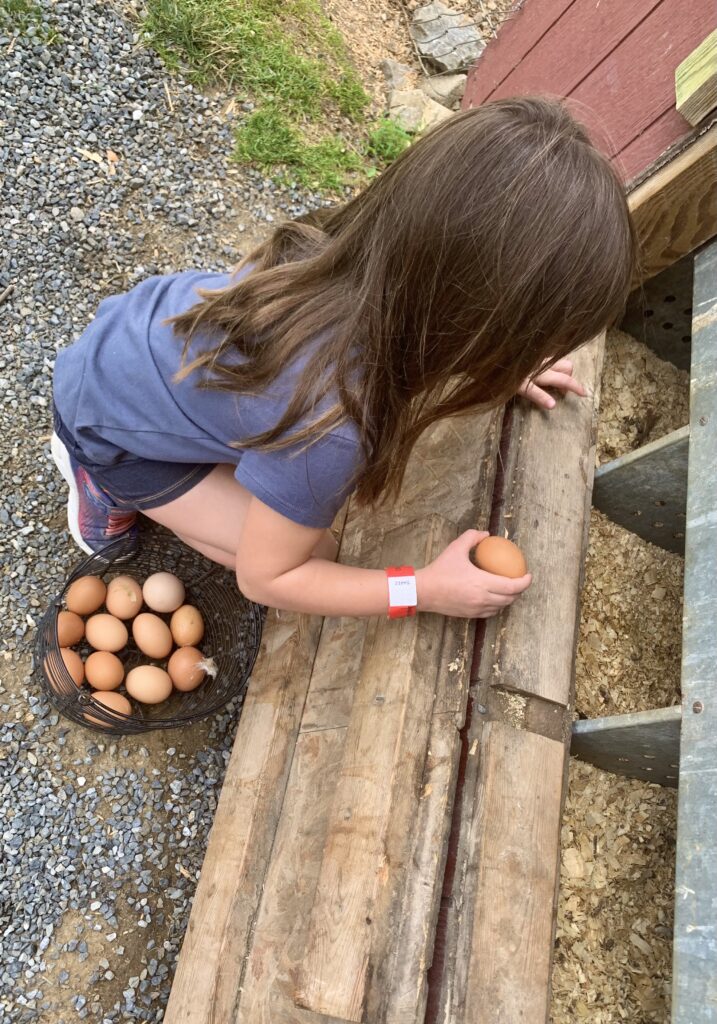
501	557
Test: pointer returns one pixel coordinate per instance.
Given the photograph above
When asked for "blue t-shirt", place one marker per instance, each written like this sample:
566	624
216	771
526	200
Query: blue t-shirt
115	393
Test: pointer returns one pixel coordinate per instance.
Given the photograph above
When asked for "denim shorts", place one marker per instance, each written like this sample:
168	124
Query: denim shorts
135	483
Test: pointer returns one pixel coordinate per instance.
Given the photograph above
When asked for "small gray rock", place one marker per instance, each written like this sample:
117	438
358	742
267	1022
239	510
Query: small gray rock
447	38
444	89
414	111
397	76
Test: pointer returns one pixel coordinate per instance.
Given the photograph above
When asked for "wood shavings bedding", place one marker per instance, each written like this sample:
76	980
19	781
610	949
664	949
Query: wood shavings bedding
613	947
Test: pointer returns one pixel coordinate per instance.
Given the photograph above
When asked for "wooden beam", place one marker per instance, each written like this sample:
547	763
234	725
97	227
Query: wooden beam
500	899
248	932
646	490
696	81
517	827
549	472
376	798
675	210
242	835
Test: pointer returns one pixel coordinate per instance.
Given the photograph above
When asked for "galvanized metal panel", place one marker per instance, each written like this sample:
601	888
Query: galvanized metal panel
644	745
659	313
695	941
646	490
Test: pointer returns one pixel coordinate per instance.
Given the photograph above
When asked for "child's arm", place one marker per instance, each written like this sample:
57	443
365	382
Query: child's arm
274	567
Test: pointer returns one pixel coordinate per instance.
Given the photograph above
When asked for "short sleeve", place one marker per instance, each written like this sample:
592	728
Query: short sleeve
308	487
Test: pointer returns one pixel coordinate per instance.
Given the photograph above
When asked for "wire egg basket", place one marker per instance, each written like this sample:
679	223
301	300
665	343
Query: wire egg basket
232	633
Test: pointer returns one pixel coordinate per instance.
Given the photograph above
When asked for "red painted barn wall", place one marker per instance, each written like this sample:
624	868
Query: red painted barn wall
614	60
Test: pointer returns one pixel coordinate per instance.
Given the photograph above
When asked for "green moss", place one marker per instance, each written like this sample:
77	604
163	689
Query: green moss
288	57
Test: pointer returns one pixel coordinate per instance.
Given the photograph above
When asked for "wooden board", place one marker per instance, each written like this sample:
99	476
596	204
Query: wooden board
493	948
646	490
614	61
696	81
548	477
675	210
242	835
242	959
695	940
516	827
366	850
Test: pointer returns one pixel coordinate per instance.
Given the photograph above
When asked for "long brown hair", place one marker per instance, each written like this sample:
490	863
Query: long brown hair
498	240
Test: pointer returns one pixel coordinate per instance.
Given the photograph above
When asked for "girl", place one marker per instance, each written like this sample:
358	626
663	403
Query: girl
239	410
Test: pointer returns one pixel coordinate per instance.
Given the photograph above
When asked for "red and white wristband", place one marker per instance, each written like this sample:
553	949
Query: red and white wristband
402	598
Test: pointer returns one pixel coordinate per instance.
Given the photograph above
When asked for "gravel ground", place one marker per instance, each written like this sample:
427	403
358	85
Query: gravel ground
112	171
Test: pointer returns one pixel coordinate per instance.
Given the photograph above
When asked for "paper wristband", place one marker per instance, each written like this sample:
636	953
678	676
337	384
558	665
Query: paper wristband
402	597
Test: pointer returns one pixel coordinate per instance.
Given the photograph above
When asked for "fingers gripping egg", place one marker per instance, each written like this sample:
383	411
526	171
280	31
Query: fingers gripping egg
501	557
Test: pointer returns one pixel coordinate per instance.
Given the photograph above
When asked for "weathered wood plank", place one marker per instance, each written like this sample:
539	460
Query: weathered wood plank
241	839
376	798
644	745
516	828
529	456
675	210
696	81
451	472
695	936
406	994
462	453
546	515
646	490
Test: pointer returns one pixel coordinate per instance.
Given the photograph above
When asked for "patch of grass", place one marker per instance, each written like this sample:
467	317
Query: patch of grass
256	46
268	139
20	15
288	57
387	140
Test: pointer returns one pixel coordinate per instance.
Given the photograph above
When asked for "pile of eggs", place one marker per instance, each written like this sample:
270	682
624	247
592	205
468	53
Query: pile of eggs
103	615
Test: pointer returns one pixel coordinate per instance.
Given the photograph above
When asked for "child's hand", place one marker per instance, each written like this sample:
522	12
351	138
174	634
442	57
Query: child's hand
452	585
559	376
